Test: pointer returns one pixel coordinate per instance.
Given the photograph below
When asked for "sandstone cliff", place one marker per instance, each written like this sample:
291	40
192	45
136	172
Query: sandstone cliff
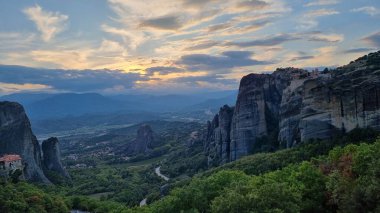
16	137
52	157
293	105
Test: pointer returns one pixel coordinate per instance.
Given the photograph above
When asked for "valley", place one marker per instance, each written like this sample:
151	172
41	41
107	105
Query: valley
190	106
294	142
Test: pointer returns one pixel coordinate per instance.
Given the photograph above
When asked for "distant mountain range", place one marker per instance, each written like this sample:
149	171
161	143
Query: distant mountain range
64	111
42	106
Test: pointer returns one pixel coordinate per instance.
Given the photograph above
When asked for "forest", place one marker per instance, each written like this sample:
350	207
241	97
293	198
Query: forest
340	175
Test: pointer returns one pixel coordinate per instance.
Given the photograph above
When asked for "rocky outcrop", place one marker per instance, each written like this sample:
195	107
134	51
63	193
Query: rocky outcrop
293	105
52	157
143	142
16	137
217	138
334	102
257	108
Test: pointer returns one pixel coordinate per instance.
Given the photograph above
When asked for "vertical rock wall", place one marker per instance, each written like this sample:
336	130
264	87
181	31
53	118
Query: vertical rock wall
299	106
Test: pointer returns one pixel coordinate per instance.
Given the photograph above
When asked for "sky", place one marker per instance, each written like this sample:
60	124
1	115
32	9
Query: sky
174	46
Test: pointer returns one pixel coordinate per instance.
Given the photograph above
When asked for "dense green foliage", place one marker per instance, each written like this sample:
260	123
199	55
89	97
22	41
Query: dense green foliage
125	185
23	197
312	177
346	180
185	161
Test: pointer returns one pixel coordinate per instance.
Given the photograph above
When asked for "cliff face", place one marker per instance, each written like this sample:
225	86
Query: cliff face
257	108
293	105
52	157
339	101
217	138
16	137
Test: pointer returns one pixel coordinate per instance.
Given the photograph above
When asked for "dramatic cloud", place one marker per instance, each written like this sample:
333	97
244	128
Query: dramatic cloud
48	23
177	43
227	60
370	10
373	39
67	80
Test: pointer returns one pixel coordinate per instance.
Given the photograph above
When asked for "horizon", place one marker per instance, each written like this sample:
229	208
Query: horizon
124	47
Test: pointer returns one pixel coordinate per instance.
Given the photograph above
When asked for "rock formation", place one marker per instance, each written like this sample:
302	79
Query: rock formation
217	138
293	105
16	137
52	157
143	142
257	108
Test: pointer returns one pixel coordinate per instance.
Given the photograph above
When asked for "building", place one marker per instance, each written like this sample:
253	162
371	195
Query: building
10	162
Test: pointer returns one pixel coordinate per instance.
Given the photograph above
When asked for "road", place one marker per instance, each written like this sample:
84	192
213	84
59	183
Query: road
158	173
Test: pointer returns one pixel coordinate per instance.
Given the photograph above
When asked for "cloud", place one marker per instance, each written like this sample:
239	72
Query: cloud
48	23
321	12
12	41
112	48
68	80
252	5
358	50
226	60
309	19
153	23
327	37
7	88
238	27
373	39
219	27
171	22
201	46
322	3
300	58
163	70
323	56
68	55
211	79
132	39
270	41
370	10
196	3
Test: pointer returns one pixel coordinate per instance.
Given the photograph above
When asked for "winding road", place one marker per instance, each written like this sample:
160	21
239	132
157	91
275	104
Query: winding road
157	170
